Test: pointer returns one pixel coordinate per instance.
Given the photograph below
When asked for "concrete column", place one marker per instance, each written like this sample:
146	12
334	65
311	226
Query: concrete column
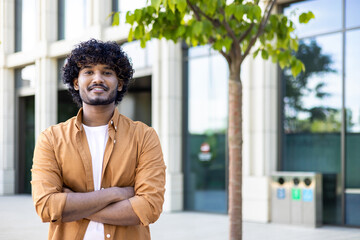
167	117
45	94
7	103
7	132
260	136
46	72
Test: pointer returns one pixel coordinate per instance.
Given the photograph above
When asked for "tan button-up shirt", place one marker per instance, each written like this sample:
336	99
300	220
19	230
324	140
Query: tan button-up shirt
132	157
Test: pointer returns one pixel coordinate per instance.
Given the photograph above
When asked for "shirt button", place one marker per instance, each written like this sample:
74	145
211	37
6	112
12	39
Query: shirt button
114	141
108	235
112	122
115	128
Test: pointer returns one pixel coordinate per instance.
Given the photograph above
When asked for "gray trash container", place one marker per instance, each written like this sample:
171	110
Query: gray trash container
280	198
301	203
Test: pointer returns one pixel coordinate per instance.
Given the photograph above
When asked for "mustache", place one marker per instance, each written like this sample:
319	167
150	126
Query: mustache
98	85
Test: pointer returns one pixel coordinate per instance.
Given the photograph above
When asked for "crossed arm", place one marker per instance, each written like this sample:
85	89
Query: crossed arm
109	206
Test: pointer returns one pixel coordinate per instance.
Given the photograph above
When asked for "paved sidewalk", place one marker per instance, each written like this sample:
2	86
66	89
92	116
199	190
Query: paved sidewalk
19	221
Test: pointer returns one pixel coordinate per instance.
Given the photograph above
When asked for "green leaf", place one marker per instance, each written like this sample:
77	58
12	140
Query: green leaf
306	17
194	42
197	28
181	5
257	12
156	4
130	18
207	27
142	43
139	31
227	43
218	45
256	53
239	12
212	4
131	35
229	10
138	15
180	31
296	67
171	4
115	19
264	54
294	44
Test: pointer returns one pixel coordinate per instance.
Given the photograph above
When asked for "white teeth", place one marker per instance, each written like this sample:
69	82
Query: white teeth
97	89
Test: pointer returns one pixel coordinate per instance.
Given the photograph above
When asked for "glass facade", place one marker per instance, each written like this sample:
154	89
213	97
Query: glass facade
316	136
205	133
26	27
123	6
72	18
25	79
140	57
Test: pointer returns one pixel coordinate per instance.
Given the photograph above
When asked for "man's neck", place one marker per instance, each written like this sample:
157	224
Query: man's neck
97	115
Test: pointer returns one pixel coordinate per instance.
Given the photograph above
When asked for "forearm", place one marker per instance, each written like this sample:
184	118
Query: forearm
82	205
119	213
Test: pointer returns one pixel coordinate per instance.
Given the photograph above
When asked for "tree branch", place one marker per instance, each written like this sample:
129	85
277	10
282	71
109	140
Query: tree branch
228	29
263	22
246	33
194	10
225	55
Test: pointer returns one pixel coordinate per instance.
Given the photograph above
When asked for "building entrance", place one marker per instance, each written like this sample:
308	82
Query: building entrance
205	130
25	142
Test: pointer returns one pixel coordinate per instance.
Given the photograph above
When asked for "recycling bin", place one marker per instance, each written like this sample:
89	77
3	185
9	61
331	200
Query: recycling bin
301	203
280	200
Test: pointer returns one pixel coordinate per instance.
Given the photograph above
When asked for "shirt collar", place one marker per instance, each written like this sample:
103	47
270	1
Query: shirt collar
113	122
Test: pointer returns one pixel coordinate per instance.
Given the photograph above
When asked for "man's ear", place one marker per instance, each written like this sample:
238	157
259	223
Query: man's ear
120	86
76	84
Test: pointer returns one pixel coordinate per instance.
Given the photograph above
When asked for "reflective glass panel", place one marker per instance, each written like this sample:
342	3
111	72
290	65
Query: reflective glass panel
206	133
26	30
140	57
312	118
25	77
352	13
327	16
352	102
72	18
25	141
125	6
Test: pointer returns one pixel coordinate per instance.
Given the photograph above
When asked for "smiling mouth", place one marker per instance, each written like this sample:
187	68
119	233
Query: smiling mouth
98	88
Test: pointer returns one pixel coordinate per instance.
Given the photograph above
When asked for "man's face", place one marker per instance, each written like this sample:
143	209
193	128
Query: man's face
97	84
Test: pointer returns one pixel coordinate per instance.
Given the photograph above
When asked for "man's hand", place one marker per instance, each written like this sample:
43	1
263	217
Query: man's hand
126	193
81	205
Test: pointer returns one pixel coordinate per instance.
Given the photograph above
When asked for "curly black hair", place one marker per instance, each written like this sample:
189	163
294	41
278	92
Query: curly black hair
97	52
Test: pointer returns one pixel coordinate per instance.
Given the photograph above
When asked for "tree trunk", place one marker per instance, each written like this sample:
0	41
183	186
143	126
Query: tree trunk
235	155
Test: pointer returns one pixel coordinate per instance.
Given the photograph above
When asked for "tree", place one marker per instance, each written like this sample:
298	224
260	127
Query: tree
232	28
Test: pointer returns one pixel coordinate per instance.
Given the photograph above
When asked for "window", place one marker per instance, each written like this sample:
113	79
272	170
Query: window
26	24
25	77
123	6
72	18
314	102
140	57
205	135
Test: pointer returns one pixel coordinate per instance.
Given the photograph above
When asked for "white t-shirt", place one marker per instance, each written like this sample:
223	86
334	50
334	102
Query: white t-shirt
97	138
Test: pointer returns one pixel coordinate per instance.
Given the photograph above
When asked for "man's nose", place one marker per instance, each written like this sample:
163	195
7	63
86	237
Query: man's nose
98	78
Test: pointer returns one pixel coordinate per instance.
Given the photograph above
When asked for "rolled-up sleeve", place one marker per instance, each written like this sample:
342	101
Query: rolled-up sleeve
47	184
149	181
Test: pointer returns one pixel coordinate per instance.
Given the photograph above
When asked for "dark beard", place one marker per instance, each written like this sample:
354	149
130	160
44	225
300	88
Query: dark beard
99	101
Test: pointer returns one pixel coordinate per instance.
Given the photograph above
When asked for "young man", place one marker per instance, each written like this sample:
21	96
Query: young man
98	175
